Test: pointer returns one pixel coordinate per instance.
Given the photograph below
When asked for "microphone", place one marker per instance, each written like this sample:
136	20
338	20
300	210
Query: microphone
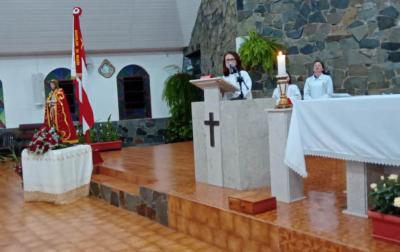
232	69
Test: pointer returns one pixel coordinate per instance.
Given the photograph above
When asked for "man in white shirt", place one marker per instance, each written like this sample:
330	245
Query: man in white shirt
319	85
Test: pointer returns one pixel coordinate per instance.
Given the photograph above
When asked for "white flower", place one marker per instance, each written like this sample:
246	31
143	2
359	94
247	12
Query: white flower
373	186
393	177
382	178
396	202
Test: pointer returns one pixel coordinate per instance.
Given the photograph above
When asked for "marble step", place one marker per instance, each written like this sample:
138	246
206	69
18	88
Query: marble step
124	175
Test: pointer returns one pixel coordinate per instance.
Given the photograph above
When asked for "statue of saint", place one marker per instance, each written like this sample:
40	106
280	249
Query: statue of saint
57	114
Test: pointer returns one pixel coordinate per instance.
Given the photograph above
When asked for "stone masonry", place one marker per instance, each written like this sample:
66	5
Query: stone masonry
214	33
359	41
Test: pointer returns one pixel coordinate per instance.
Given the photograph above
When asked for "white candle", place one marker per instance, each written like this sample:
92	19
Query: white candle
281	64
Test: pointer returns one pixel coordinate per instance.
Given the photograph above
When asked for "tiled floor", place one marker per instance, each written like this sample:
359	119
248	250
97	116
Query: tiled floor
319	215
86	225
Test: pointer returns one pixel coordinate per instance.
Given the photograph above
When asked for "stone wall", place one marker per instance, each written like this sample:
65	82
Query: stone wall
141	132
148	203
214	33
358	40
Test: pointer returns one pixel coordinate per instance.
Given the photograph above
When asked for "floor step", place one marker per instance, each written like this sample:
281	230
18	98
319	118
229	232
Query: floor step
127	176
116	184
130	196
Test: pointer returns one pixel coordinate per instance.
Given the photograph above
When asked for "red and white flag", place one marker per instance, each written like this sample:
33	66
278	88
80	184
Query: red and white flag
80	75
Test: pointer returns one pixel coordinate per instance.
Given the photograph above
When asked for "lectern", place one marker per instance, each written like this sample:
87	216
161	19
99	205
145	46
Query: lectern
212	88
230	138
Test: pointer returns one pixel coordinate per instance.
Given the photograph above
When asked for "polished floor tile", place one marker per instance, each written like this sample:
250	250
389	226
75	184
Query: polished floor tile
170	169
86	225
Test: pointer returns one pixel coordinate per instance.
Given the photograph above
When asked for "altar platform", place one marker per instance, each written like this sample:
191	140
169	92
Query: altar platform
159	182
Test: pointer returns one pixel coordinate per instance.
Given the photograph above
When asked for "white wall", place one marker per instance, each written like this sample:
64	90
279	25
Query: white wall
187	11
35	26
16	76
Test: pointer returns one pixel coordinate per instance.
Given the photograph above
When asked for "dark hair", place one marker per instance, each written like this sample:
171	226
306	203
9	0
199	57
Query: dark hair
323	66
238	62
290	77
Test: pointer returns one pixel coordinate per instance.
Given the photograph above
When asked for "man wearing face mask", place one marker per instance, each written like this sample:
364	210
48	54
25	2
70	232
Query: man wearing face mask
234	74
319	85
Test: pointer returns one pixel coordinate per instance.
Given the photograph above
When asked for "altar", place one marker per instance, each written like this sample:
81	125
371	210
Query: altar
58	176
362	130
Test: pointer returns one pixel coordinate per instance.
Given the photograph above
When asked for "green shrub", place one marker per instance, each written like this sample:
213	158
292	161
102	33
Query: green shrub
179	93
385	195
102	132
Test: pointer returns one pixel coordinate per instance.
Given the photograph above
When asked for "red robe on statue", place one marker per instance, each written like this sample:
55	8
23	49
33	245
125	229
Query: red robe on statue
57	115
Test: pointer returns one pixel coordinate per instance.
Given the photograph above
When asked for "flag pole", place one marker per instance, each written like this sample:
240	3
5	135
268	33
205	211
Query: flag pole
79	76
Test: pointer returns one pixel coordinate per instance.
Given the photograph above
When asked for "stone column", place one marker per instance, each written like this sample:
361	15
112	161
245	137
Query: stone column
286	185
357	189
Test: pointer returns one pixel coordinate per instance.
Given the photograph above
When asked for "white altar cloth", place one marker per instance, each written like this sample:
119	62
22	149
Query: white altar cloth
59	176
364	129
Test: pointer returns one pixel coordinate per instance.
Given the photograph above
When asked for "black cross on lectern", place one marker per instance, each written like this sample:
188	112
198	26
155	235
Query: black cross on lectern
212	124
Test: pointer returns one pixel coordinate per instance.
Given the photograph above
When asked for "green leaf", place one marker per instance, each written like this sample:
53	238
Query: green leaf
259	51
179	94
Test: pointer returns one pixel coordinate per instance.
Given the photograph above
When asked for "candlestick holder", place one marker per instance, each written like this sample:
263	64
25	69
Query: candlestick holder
282	83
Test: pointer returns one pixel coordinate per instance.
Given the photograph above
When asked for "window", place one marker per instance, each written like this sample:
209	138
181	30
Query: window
134	99
194	65
2	113
69	91
239	5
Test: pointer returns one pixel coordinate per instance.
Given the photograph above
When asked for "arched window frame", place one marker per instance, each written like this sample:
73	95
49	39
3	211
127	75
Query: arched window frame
2	112
136	104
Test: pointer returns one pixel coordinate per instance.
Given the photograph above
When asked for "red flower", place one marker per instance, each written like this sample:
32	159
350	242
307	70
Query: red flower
43	141
32	148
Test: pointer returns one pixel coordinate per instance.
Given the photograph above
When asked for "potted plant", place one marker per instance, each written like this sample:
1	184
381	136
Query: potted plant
14	159
15	162
258	51
258	55
105	136
385	211
179	94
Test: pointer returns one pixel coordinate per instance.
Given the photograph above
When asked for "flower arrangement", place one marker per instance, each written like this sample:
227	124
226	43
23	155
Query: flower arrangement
385	195
43	141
